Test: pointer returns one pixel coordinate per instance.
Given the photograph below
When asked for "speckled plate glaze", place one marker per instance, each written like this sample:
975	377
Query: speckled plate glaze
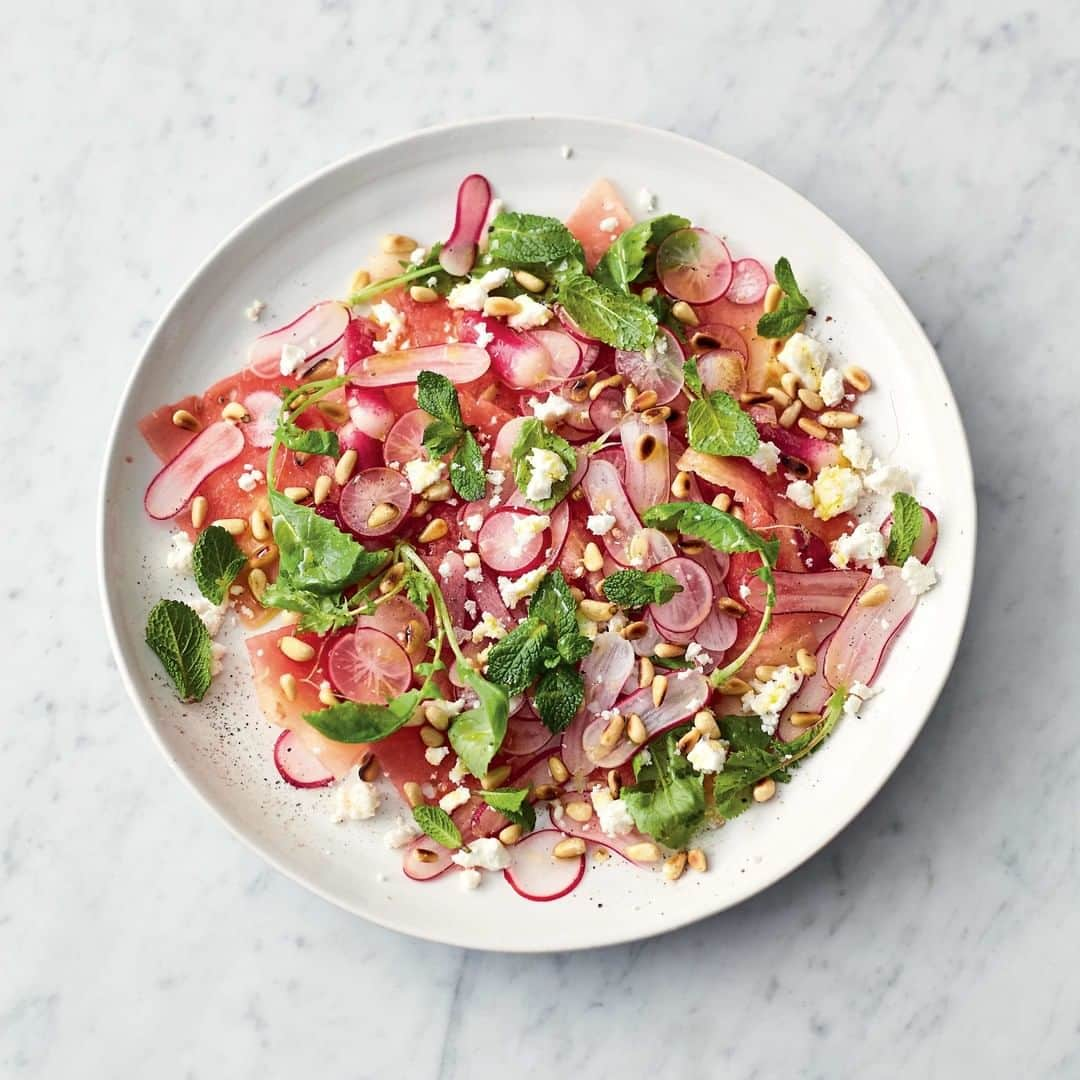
303	247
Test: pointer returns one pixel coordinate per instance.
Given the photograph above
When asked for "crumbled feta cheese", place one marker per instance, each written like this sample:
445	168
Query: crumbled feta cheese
836	490
496	478
608	224
470	295
474	574
254	310
474	522
708	756
527	528
861	690
613	814
435	755
532	314
354	800
486	853
469	880
855	450
801	494
832	388
470	608
249	481
388	316
421	474
553	410
457	772
405	830
488	627
417	256
807	357
453	799
546	467
768	699
600	524
766	458
887	480
179	554
292	356
483	337
918	577
697	655
863	546
566	151
217	653
646	199
514	590
212	615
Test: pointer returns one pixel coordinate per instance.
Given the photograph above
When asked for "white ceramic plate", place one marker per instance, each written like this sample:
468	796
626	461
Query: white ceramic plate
303	247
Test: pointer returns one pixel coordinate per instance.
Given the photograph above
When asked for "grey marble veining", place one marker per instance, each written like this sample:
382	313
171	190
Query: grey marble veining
935	937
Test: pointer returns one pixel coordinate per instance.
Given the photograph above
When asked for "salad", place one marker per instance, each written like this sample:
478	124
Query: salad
568	530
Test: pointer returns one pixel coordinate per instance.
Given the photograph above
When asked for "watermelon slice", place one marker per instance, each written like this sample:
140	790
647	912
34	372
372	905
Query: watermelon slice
601	206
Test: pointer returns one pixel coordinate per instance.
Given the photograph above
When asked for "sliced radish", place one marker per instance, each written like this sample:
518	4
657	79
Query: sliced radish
264	407
565	353
424	860
405	440
503	550
175	484
572	327
927	542
370	411
749	280
607	410
458	254
830	592
712	336
370	489
647	462
368	666
722	369
298	765
315	332
694	265
369	451
525	735
537	874
809	698
659	368
502	448
459	362
605	669
717	633
358	343
646	644
817	453
519	359
402	620
689	608
606	495
861	640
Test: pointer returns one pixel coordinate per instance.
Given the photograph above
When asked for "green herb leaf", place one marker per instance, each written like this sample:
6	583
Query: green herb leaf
636	588
181	642
667	801
515	660
573	648
431	268
531	239
721	530
418	587
216	561
553	603
624	260
438	824
559	694
467	474
692	376
717	425
619	319
440	438
793	309
512	803
351	722
534	435
477	734
907	527
307	440
436	395
319	612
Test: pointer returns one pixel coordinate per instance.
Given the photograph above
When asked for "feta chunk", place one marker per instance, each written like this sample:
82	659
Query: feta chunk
553	410
863	546
217	654
766	458
887	480
768	699
855	450
832	388
354	800
474	522
457	772
566	151
488	627
178	557
292	356
483	337
527	528
918	577
436	755
388	316
801	494
546	469
836	490
806	357
212	615
453	799
249	480
485	853
470	295
646	200
469	880
600	524
421	474
514	590
608	224
405	830
532	314
708	756
613	814
254	310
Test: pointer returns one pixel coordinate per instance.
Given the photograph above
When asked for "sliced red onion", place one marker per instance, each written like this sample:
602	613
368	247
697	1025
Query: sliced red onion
458	254
647	462
749	280
315	333
297	765
606	495
368	666
659	368
830	592
689	608
370	411
172	488
264	407
500	547
369	489
536	874
606	669
694	265
459	362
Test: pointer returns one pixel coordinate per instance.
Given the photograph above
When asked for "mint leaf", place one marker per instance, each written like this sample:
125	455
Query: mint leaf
793	309
720	530
619	319
440	438
216	560
438	824
534	435
717	425
559	694
512	803
531	239
624	260
692	377
515	660
467	474
436	395
352	722
667	800
553	603
574	648
181	642
907	527
307	440
636	588
319	612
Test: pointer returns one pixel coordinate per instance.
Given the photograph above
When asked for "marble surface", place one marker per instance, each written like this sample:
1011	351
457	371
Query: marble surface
935	937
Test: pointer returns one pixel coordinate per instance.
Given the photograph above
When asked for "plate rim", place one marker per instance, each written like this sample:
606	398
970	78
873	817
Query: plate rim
622	932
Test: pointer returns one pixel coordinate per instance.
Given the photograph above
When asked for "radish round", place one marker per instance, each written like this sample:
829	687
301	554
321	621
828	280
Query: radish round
369	489
458	254
368	666
370	411
605	669
720	336
749	280
436	862
659	368
607	409
520	360
405	440
264	407
688	609
565	352
694	265
501	548
537	874
402	620
297	765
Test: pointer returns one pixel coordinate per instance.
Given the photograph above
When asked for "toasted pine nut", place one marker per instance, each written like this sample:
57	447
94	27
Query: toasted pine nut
501	305
186	420
529	282
578	810
776	347
495	778
559	772
705	722
646	852
396	244
722	502
689	740
424	855
420	508
674	866
382	514
322	489
297	494
680	486
780	399
634	631
413	795
601	854
695	859
789	383
510	835
235	411
440	491
360	280
629	394
659	414
790	414
601	385
489	393
684	313
648	294
804	719
471	559
545	792
807	662
647	672
752	397
260	527
337	411
772	297
233	526
735	687
579	388
199	508
263	557
857	378
636	730
295	649
764	672
645	447
597	610
327	696
614	783
423	294
432	737
812	427
659	689
667	650
346	464
434	530
257	582
592	558
570	848
838	418
765	789
644	401
368	767
811	399
796	466
287	682
730	606
875	596
611	734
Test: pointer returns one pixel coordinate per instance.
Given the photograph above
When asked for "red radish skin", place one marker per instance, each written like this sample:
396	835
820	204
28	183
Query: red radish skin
368	666
565	353
498	543
749	280
316	331
591	832
460	363
927	542
428	869
519	359
458	254
694	265
358	342
171	490
297	765
536	874
369	489
810	697
369	451
726	338
659	368
606	495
